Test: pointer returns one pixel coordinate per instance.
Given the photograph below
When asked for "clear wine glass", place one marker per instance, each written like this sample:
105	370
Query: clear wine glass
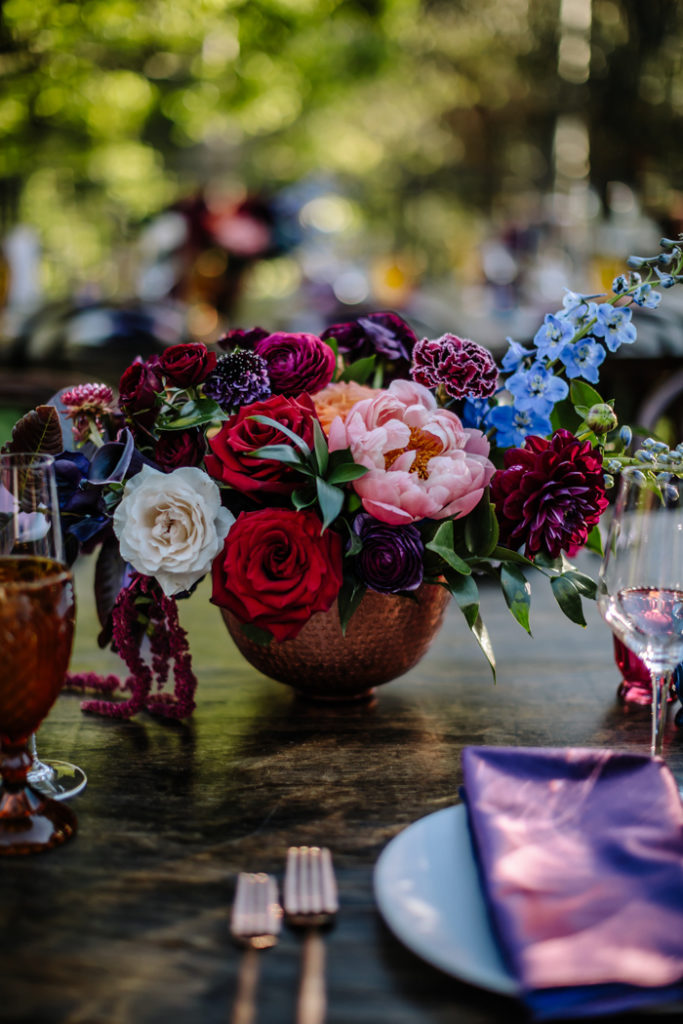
37	613
640	589
57	779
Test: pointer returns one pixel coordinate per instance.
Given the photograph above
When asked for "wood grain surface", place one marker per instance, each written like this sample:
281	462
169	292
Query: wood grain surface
128	923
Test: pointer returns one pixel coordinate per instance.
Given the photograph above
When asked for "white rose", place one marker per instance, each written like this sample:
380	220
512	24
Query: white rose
171	525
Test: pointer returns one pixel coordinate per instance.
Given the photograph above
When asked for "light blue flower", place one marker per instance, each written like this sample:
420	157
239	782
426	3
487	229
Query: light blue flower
583	359
614	325
581	316
515	355
620	284
536	389
512	425
474	412
571	300
665	280
646	296
553	335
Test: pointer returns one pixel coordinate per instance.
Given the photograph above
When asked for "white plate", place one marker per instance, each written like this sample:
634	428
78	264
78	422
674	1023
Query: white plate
428	892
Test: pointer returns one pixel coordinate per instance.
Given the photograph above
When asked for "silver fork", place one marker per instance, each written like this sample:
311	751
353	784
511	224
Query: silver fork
255	924
310	901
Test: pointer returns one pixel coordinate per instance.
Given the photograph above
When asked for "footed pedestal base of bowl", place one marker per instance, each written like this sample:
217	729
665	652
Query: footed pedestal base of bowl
386	636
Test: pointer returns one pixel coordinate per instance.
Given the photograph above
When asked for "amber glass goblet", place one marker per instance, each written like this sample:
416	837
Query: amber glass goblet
37	612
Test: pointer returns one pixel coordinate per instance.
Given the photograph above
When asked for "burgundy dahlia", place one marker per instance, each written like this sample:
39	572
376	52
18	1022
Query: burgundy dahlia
462	367
549	495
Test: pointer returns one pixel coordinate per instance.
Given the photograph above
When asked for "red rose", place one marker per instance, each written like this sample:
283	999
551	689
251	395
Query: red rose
187	364
232	463
276	569
176	448
138	389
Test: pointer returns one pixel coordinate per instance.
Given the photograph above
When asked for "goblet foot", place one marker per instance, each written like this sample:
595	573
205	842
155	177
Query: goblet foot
32	823
57	779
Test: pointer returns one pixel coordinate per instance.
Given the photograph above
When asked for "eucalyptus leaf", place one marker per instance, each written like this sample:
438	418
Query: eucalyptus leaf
517	593
360	371
297	441
331	500
303	497
442	545
568	597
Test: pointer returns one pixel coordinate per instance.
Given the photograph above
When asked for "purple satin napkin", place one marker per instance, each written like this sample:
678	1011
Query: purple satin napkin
581	858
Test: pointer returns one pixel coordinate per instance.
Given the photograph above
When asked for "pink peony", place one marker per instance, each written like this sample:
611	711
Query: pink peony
422	462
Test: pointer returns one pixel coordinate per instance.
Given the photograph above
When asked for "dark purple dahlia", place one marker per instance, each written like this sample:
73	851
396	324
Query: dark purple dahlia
382	334
391	558
241	337
240	377
549	495
462	367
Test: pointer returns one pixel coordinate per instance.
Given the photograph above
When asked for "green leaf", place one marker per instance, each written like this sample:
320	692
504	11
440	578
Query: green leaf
586	586
348	599
481	528
332	343
303	497
568	597
195	413
442	545
517	594
359	371
594	542
280	453
481	635
346	472
297	441
331	500
466	593
508	555
584	395
322	452
546	561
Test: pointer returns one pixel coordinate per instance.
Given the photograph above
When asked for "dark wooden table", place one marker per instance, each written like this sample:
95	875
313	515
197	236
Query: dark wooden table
128	923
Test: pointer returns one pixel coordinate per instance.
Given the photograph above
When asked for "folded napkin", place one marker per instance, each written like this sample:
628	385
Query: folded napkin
581	858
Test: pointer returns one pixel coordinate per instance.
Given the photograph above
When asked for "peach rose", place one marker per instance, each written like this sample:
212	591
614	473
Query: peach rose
422	462
338	399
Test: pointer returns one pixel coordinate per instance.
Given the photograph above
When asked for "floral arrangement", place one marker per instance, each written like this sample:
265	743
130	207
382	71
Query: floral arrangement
299	471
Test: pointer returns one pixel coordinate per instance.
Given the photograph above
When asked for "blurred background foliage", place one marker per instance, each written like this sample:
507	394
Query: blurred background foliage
294	161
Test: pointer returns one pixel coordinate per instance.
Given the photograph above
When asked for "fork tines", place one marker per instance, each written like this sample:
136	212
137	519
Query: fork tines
310	888
256	914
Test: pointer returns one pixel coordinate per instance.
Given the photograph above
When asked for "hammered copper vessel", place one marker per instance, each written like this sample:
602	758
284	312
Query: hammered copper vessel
386	636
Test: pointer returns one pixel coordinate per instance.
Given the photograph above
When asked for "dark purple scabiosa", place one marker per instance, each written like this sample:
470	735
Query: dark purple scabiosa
462	368
382	334
241	337
240	377
549	495
296	362
391	558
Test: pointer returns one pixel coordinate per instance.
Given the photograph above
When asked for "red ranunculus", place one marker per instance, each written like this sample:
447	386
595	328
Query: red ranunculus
550	494
187	364
231	461
276	569
176	448
296	362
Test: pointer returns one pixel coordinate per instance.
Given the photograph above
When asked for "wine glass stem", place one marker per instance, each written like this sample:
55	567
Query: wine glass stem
660	691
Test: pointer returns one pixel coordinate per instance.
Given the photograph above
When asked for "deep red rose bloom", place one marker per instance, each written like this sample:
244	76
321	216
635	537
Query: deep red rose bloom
187	364
137	391
276	569
550	494
176	448
230	461
462	367
296	362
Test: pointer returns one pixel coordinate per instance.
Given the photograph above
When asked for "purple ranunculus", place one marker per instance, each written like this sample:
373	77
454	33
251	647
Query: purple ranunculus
241	337
391	558
462	367
240	377
296	362
382	334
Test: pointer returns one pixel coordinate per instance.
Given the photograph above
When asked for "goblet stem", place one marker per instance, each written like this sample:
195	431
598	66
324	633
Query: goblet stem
660	689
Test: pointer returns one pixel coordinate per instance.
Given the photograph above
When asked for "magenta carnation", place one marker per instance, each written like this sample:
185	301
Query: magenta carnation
463	368
296	362
549	495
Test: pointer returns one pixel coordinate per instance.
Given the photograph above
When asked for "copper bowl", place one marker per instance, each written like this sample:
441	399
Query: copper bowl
386	636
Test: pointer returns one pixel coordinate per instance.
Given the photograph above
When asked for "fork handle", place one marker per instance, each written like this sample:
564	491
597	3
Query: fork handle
244	1007
312	1002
